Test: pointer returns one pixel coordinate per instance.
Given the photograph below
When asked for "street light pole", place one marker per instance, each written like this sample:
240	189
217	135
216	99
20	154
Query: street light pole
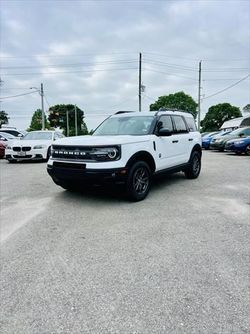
75	120
41	93
42	104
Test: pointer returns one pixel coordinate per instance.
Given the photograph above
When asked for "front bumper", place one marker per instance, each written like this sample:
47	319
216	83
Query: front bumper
238	148
38	154
217	146
78	173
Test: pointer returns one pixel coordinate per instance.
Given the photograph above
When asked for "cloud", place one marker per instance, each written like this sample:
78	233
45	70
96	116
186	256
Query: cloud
96	45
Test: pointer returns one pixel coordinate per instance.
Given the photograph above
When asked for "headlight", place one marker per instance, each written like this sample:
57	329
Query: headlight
8	148
239	142
219	140
37	147
106	153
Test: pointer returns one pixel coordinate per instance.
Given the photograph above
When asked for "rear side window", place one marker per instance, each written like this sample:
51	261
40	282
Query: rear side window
166	122
180	125
191	124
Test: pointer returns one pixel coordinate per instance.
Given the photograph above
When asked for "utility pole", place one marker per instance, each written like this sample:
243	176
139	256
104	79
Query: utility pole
42	104
67	121
75	120
199	97
140	81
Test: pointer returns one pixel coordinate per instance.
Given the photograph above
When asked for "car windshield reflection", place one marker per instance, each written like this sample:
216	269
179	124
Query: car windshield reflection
38	136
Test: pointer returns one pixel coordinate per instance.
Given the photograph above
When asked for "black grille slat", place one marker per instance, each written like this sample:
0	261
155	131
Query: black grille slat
69	165
26	148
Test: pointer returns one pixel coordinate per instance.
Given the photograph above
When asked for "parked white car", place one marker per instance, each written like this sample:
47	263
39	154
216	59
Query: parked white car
35	145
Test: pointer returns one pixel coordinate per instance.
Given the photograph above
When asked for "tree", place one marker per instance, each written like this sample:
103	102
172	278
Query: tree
217	115
246	109
36	121
179	100
58	118
4	119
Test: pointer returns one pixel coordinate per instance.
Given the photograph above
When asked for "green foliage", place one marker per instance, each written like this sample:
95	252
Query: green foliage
247	108
217	115
58	118
179	100
4	119
36	121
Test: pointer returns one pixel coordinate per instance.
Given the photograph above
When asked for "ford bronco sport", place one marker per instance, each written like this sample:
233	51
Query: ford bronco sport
129	148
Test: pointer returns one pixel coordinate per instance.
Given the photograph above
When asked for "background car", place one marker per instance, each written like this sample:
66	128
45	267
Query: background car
238	146
220	142
35	145
13	132
2	149
206	140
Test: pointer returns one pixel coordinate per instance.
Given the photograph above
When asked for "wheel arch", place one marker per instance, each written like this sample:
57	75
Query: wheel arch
197	148
142	156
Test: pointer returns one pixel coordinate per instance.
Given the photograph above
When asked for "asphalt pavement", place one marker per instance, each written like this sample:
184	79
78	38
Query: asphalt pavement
92	262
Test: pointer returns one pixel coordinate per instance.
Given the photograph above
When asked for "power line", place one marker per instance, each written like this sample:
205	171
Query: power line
12	96
72	55
223	90
65	72
109	62
167	73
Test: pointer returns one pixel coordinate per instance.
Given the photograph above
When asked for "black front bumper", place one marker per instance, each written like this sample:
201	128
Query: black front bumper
78	173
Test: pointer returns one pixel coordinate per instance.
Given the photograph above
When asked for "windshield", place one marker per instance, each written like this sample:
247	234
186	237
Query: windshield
7	135
133	125
236	132
38	136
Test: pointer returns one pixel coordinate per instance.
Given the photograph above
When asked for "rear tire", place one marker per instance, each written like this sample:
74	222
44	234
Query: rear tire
194	168
139	181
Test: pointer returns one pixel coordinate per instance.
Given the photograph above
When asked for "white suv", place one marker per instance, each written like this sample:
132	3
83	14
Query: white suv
129	148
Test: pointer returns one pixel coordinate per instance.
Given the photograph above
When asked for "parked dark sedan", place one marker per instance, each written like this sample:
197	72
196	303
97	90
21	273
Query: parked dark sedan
238	146
219	143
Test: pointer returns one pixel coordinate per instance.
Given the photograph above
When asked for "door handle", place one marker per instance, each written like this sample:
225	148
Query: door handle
175	141
190	139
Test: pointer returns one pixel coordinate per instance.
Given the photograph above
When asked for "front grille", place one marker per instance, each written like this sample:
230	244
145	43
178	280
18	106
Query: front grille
26	148
69	165
22	157
72	152
19	149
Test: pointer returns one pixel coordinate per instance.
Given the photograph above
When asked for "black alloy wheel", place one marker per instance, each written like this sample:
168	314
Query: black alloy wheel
194	168
139	181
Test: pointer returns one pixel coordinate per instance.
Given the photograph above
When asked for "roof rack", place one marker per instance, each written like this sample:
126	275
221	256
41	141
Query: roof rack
123	112
167	109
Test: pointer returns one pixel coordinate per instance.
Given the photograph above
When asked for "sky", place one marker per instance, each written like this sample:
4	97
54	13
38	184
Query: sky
86	53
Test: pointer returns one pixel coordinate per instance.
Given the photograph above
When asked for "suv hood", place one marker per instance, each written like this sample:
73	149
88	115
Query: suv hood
101	140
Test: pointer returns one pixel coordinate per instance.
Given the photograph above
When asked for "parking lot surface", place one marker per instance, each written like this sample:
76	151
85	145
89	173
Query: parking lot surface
92	262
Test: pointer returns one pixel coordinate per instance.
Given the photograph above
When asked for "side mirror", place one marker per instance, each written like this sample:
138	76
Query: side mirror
163	132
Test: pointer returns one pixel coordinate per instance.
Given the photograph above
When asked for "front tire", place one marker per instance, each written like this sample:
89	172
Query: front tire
139	181
194	168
